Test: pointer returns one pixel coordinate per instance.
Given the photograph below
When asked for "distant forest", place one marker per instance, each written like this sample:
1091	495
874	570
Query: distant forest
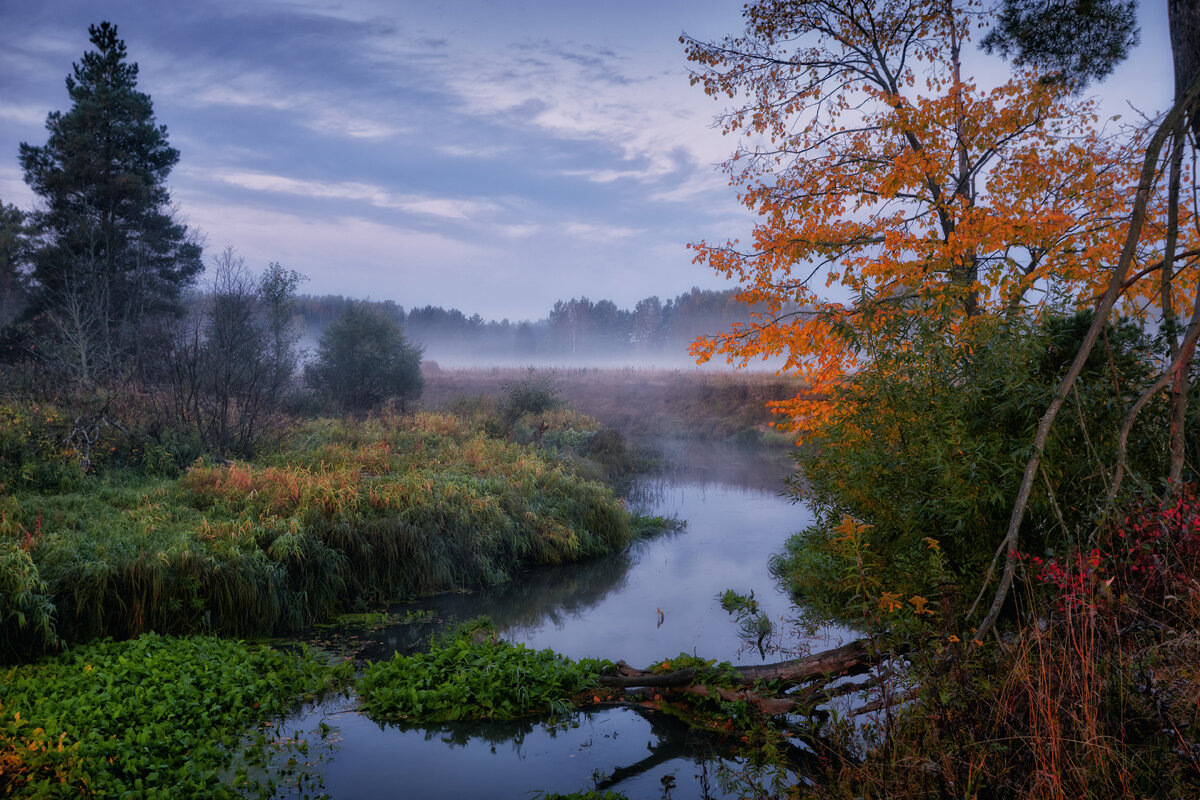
574	330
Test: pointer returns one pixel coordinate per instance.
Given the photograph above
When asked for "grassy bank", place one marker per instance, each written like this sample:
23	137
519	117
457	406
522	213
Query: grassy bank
1092	691
344	514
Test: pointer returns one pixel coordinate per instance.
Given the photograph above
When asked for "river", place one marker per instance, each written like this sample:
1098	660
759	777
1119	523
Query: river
651	602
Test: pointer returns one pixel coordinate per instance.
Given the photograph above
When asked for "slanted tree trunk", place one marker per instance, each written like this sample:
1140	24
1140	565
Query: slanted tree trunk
1184	108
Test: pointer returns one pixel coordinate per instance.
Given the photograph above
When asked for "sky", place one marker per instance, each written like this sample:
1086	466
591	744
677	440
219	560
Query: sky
488	156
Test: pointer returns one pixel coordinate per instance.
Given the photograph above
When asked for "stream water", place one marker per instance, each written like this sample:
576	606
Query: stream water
651	602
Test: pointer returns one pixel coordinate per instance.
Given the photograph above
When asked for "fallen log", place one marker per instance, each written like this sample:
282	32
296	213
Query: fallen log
818	670
631	677
771	706
853	658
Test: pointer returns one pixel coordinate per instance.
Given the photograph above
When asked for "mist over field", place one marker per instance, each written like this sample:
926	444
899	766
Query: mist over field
653	334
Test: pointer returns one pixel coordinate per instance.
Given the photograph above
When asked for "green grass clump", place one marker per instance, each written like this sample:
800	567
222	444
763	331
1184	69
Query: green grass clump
474	676
349	513
150	717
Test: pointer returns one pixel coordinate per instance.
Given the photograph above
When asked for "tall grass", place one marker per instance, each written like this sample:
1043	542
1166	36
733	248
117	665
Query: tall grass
348	513
1096	695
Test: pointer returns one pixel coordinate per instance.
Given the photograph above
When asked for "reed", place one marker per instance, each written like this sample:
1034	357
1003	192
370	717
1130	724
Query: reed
350	513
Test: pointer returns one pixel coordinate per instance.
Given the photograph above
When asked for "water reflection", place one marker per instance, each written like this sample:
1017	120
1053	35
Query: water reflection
551	595
730	464
620	749
653	601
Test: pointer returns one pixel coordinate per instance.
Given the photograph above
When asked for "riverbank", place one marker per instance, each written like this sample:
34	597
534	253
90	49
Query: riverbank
343	515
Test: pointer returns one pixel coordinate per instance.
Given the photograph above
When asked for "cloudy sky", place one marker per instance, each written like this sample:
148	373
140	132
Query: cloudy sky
490	156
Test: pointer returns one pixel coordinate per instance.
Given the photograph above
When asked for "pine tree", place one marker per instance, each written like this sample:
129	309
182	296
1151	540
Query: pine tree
112	259
12	253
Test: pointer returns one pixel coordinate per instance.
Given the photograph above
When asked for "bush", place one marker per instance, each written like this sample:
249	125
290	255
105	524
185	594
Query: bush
533	394
930	442
364	360
1099	698
33	456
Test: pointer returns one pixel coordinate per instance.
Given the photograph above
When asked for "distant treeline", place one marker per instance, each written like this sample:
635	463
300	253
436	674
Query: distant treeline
576	329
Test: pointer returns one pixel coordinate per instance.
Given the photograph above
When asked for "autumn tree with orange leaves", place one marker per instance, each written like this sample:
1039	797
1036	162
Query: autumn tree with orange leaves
888	183
903	204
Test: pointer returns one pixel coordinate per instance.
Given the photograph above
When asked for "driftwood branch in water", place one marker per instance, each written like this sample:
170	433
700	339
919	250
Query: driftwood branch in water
853	658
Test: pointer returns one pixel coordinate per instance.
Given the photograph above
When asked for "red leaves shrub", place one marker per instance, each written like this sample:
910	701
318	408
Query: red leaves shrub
1151	558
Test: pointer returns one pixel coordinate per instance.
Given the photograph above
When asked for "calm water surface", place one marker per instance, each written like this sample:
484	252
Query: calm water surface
608	608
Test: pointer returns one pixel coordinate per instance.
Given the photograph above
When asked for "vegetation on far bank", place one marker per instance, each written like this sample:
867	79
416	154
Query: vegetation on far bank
645	404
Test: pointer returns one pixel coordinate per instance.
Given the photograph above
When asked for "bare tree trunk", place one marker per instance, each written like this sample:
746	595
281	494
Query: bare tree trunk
1176	371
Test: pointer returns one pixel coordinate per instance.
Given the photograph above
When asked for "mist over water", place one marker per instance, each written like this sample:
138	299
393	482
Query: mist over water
616	360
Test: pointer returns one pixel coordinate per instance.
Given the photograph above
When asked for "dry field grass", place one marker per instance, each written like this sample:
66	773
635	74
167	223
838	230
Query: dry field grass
641	402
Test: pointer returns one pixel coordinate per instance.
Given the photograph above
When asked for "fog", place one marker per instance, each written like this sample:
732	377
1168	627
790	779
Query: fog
577	333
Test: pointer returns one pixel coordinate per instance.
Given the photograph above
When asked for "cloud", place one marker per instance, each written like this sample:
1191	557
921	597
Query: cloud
647	116
598	233
323	113
465	151
24	115
341	254
13	189
375	195
602	175
517	231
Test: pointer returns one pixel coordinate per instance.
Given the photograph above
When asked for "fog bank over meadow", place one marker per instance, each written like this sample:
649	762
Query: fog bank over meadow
576	333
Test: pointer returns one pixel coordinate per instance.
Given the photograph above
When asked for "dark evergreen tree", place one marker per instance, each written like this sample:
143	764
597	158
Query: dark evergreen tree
13	251
112	259
364	360
1077	40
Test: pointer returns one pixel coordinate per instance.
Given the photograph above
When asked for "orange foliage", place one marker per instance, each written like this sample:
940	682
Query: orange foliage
886	184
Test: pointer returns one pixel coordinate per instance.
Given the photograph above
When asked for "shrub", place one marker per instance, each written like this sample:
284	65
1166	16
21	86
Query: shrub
364	360
536	393
33	452
929	441
1100	697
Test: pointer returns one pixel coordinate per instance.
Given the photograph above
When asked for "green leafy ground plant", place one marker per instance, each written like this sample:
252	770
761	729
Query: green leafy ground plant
473	675
153	717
